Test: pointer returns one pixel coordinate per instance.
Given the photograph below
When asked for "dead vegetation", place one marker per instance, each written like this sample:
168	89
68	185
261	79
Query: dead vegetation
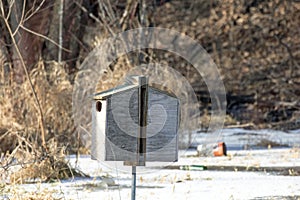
256	46
20	133
18	193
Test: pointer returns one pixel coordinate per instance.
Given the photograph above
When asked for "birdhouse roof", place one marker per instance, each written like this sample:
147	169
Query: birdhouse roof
125	87
105	94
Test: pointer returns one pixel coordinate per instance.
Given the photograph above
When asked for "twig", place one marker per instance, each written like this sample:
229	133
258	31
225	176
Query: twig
142	13
95	18
35	11
21	20
2	8
10	157
9	11
23	140
126	12
45	37
5	134
241	125
288	50
110	11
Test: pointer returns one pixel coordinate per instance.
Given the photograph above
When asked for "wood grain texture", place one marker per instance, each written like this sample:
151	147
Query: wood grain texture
98	132
122	127
119	122
162	140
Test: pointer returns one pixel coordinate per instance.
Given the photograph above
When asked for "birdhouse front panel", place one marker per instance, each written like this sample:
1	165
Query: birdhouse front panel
122	127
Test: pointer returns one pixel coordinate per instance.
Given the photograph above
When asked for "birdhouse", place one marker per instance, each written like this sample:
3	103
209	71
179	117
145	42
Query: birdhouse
135	123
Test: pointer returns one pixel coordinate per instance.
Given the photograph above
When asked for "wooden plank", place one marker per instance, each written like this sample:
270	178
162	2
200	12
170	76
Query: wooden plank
98	132
122	118
162	140
168	153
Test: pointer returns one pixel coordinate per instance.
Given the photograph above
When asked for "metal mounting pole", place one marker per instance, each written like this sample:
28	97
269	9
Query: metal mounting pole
143	107
141	136
133	183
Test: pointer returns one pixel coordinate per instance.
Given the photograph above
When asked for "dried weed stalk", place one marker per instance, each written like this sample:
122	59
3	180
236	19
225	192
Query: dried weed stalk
23	159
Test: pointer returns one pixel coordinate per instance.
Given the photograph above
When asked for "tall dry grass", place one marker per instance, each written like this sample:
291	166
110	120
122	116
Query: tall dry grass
22	156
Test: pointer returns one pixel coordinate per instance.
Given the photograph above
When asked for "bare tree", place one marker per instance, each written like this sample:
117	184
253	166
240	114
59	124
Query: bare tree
19	45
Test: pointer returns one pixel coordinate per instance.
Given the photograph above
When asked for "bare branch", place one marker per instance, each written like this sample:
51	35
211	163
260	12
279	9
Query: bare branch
5	134
289	51
35	11
10	9
106	9
37	102
95	18
21	20
110	11
2	9
45	37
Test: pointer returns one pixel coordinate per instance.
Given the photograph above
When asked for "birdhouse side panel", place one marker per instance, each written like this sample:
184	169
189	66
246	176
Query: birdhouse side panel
168	153
122	127
162	128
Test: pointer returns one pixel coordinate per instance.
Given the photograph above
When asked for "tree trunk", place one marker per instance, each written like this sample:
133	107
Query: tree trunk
51	50
71	34
4	58
73	31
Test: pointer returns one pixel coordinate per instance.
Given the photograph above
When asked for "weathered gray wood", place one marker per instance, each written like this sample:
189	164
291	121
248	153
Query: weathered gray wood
122	126
117	127
108	93
162	140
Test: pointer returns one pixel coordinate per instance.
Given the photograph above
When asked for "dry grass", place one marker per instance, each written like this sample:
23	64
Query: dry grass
20	132
52	166
14	192
54	92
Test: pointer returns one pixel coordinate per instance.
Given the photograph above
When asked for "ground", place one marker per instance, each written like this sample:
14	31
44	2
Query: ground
255	173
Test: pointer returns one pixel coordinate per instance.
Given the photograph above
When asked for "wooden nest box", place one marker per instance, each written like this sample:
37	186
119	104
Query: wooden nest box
135	123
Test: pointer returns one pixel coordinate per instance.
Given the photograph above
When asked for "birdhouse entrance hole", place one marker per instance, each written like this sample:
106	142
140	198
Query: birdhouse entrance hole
98	106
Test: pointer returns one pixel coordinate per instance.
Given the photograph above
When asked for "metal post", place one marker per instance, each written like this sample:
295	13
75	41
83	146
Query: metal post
133	183
143	107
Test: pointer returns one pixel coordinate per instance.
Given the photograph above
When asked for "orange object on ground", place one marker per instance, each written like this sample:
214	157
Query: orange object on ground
220	150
